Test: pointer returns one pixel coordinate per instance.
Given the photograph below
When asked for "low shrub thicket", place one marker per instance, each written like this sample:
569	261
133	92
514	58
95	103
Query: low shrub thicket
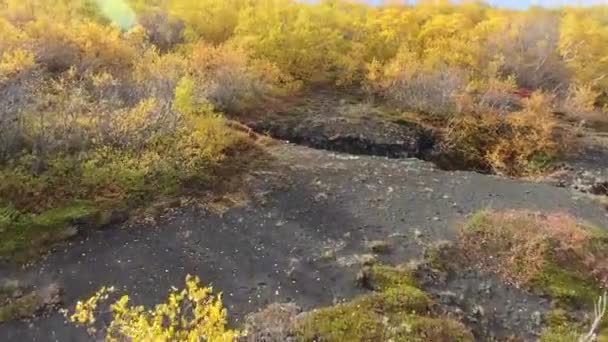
519	143
92	114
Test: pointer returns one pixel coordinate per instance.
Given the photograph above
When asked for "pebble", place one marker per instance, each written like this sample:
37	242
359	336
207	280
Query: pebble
478	311
537	318
448	297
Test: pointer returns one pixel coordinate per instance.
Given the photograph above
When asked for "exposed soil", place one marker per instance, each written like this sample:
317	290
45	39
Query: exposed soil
273	248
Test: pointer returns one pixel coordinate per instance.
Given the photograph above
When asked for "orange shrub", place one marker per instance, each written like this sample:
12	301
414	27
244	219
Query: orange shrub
518	143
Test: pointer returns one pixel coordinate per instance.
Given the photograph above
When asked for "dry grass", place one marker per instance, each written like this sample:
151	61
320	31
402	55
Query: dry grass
430	93
553	254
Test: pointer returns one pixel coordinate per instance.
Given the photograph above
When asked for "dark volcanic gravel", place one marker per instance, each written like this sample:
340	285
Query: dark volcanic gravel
305	203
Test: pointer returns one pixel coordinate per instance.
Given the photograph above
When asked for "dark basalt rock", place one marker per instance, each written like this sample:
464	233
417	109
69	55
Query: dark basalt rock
361	135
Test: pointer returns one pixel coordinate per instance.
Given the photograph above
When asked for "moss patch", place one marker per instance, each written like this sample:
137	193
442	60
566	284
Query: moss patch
440	255
383	277
21	233
59	216
22	307
567	288
396	311
561	333
562	327
550	254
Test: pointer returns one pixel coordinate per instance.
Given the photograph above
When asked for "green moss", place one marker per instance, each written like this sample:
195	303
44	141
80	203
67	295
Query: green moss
561	327
391	315
438	256
26	231
385	277
356	321
8	215
566	287
343	322
6	292
62	215
561	333
603	334
422	329
398	300
23	307
398	311
557	317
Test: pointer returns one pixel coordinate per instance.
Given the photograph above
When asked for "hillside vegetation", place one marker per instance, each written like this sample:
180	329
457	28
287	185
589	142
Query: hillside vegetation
108	104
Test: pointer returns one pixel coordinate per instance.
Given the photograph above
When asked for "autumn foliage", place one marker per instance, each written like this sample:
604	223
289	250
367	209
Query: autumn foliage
191	314
113	103
117	101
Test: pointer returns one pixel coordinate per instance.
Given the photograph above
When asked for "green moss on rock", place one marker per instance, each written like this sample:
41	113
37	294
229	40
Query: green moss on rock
22	307
342	322
65	214
386	277
566	287
396	311
21	233
439	255
560	333
422	329
397	300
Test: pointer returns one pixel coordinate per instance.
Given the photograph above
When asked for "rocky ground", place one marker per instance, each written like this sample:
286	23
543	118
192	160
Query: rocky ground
304	224
304	206
349	123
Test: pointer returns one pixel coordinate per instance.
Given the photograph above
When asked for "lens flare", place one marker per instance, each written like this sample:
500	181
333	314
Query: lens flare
119	12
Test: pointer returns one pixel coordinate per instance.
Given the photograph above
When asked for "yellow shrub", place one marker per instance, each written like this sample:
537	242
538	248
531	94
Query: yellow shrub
14	62
515	144
187	102
210	20
204	142
530	143
416	87
582	43
10	36
53	44
21	11
192	314
132	127
224	76
583	98
102	48
269	79
297	38
157	74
